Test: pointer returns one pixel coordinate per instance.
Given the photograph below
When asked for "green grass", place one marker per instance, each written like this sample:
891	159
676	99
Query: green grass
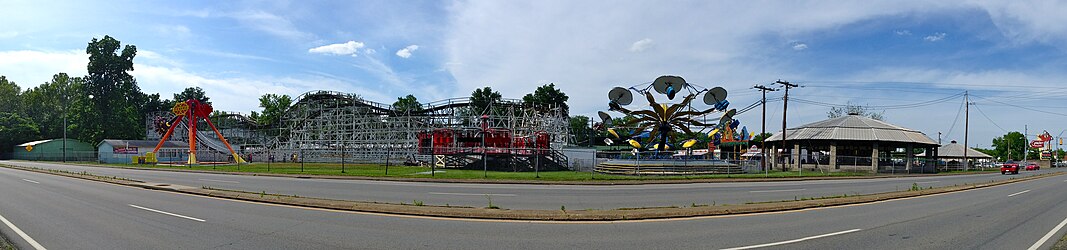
378	170
5	245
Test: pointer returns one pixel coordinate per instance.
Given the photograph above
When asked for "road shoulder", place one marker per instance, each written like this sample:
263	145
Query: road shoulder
491	213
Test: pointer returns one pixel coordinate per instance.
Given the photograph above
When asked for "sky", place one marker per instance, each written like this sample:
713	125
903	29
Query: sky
909	60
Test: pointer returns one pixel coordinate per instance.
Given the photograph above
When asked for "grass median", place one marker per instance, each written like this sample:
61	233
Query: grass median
377	170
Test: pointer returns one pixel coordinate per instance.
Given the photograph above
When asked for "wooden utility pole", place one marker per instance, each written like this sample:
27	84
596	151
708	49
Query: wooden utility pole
785	109
966	130
763	146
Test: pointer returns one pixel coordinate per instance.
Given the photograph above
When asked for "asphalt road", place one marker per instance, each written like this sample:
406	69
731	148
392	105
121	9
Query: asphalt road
522	196
66	213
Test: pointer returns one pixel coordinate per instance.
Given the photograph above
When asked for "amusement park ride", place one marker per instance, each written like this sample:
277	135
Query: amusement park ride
666	123
667	120
191	111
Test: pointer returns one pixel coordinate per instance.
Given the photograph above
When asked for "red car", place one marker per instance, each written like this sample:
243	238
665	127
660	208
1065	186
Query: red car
1033	166
1009	167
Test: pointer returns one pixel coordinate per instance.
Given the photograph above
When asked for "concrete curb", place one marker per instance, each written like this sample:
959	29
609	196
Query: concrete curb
531	215
535	182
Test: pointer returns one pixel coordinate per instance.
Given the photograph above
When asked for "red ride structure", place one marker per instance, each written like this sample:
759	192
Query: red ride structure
499	145
192	111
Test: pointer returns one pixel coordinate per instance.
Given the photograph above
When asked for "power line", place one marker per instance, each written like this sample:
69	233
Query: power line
1022	107
987	118
957	119
896	106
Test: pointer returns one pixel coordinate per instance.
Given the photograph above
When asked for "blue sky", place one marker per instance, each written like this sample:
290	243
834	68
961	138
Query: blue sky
1010	55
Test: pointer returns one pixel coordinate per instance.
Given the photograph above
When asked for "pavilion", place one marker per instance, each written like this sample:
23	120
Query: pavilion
853	143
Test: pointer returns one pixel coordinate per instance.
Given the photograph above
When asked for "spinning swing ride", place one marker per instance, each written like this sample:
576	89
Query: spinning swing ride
666	123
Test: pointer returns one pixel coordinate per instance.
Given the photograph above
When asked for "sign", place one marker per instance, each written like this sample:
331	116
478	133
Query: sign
1044	136
29	148
1046	155
1037	144
125	150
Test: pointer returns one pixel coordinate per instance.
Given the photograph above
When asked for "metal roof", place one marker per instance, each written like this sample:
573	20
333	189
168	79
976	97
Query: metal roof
955	150
855	128
33	143
141	143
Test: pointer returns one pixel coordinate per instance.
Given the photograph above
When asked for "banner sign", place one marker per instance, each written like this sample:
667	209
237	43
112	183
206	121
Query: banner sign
1037	144
125	150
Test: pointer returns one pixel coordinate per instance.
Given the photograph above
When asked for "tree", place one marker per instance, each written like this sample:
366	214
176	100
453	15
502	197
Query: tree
579	127
15	129
483	98
9	96
850	108
192	93
547	95
407	104
1010	146
274	106
115	101
758	139
47	103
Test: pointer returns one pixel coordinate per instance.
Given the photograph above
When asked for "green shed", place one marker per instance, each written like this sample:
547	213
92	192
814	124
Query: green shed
52	150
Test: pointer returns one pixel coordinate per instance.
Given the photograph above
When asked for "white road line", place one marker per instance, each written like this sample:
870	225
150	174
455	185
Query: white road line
31	181
1048	235
167	213
469	194
218	180
22	234
794	241
924	182
772	191
1023	192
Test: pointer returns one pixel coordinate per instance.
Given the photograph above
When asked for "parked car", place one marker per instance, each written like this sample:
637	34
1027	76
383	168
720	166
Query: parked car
1009	167
1033	166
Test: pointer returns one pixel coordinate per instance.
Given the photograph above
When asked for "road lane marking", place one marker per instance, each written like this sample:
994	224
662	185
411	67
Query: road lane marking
22	234
773	191
1023	192
925	182
167	213
218	180
794	241
1048	235
31	181
471	194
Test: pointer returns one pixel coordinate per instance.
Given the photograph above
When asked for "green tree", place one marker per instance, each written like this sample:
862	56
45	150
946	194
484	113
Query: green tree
274	106
1010	146
579	127
407	104
9	96
547	95
758	139
115	101
482	99
15	129
47	103
850	108
192	93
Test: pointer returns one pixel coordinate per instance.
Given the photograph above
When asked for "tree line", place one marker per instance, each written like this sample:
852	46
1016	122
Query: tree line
107	103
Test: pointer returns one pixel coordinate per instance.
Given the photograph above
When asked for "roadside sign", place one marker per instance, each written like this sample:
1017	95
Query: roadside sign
1037	144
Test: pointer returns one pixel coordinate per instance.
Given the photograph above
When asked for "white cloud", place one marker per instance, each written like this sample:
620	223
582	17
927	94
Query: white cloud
29	68
903	32
800	46
935	37
641	45
348	48
259	20
406	51
369	51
